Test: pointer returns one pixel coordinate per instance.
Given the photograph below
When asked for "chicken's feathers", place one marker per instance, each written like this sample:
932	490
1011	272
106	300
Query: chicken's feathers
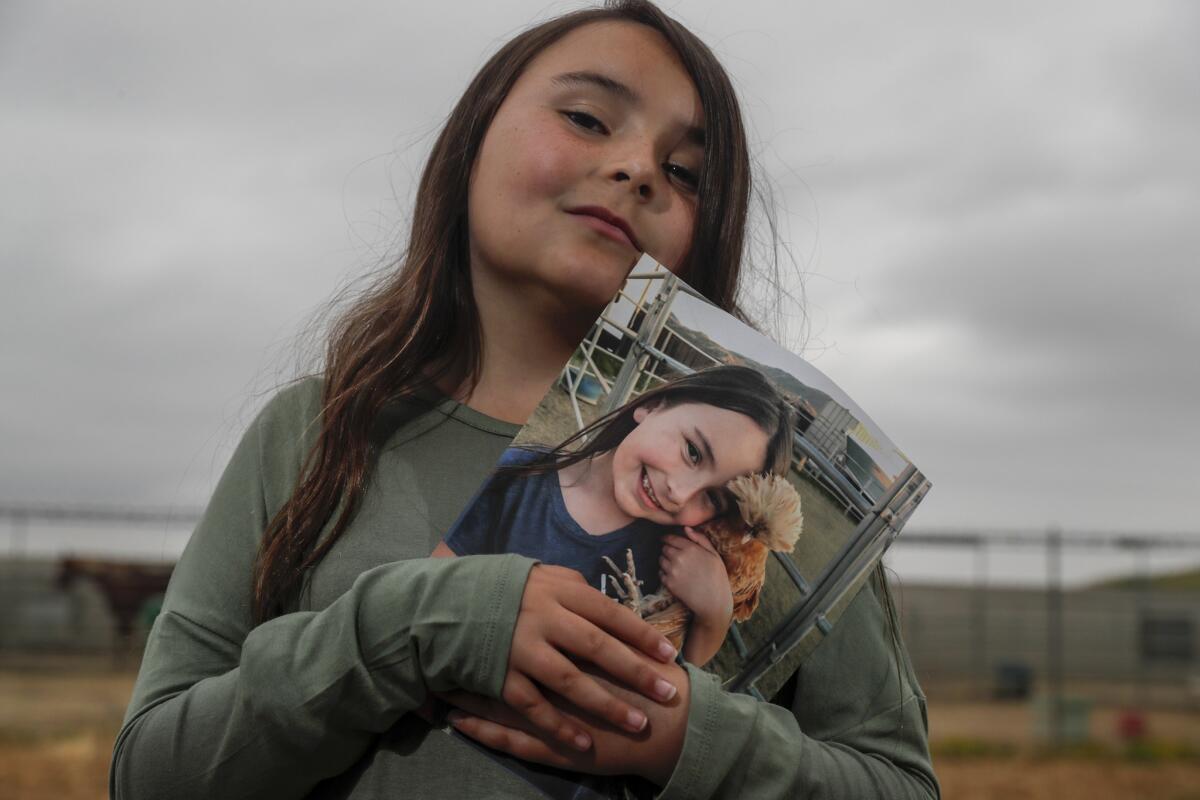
770	508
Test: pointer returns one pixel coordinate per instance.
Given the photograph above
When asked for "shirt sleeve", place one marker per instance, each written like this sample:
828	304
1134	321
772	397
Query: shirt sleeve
857	726
225	709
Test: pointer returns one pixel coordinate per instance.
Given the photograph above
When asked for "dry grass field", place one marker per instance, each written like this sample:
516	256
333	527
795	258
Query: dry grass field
58	722
986	750
57	726
1067	779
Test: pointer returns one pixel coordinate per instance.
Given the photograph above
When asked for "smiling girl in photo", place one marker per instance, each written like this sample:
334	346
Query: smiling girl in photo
657	464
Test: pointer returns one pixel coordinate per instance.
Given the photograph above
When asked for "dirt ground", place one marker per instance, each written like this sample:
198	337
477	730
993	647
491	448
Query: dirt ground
58	723
1066	779
988	750
1015	724
57	727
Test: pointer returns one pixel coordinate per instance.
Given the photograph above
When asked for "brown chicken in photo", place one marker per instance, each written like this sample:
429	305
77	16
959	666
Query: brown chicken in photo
767	517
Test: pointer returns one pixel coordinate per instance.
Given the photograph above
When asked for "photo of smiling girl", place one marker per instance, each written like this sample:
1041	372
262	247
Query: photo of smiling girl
639	479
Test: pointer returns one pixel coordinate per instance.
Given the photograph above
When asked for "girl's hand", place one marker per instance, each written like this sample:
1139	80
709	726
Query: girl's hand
692	570
562	618
651	753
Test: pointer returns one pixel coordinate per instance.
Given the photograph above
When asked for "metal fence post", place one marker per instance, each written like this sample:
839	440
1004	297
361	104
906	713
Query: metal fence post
652	325
1054	633
20	529
980	609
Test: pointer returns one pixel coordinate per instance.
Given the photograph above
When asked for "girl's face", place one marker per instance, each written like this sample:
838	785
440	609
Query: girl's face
672	468
591	159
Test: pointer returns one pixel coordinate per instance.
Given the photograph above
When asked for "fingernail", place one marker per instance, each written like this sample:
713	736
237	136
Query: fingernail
664	689
455	717
666	652
636	720
582	742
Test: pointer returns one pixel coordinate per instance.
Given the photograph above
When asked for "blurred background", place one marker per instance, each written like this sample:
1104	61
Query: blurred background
987	216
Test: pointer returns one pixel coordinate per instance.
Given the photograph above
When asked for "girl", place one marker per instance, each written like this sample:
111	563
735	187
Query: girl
663	459
304	620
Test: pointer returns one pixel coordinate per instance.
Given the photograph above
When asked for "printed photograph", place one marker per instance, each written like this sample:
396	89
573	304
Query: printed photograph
699	473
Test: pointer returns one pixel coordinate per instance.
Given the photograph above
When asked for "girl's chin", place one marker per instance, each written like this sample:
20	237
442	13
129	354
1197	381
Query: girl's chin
629	506
595	277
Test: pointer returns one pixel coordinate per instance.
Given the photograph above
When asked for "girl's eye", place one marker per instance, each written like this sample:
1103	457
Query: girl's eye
693	453
585	120
684	175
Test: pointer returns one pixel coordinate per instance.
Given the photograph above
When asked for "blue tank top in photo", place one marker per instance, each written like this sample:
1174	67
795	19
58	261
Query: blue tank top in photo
526	514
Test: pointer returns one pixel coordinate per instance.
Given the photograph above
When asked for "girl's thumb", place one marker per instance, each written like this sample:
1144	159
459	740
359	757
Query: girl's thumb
699	538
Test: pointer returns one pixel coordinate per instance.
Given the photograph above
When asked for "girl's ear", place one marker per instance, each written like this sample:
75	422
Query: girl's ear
641	412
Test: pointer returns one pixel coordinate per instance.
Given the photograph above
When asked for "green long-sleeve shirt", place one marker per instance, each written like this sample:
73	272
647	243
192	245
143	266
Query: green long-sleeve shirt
313	703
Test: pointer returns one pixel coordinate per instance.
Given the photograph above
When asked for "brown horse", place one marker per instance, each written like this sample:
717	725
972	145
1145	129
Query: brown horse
126	585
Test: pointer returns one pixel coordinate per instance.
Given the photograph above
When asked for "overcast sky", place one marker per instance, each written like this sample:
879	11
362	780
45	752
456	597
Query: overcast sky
994	210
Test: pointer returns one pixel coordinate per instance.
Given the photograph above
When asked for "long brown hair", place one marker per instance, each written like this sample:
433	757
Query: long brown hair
731	387
420	324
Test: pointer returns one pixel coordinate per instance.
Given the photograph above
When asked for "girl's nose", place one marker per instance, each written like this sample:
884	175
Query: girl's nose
683	491
640	185
634	166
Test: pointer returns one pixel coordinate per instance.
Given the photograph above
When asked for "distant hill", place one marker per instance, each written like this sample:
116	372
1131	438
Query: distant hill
783	379
1186	581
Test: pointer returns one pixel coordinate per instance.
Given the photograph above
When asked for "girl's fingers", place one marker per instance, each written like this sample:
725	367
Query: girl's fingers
622	623
567	679
701	540
665	565
523	697
623	666
507	740
495	711
550	590
562	618
680	544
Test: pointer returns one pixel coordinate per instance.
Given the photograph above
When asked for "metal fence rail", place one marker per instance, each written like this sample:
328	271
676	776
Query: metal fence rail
1131	640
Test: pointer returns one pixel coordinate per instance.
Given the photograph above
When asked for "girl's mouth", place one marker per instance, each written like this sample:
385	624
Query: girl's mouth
649	491
608	223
